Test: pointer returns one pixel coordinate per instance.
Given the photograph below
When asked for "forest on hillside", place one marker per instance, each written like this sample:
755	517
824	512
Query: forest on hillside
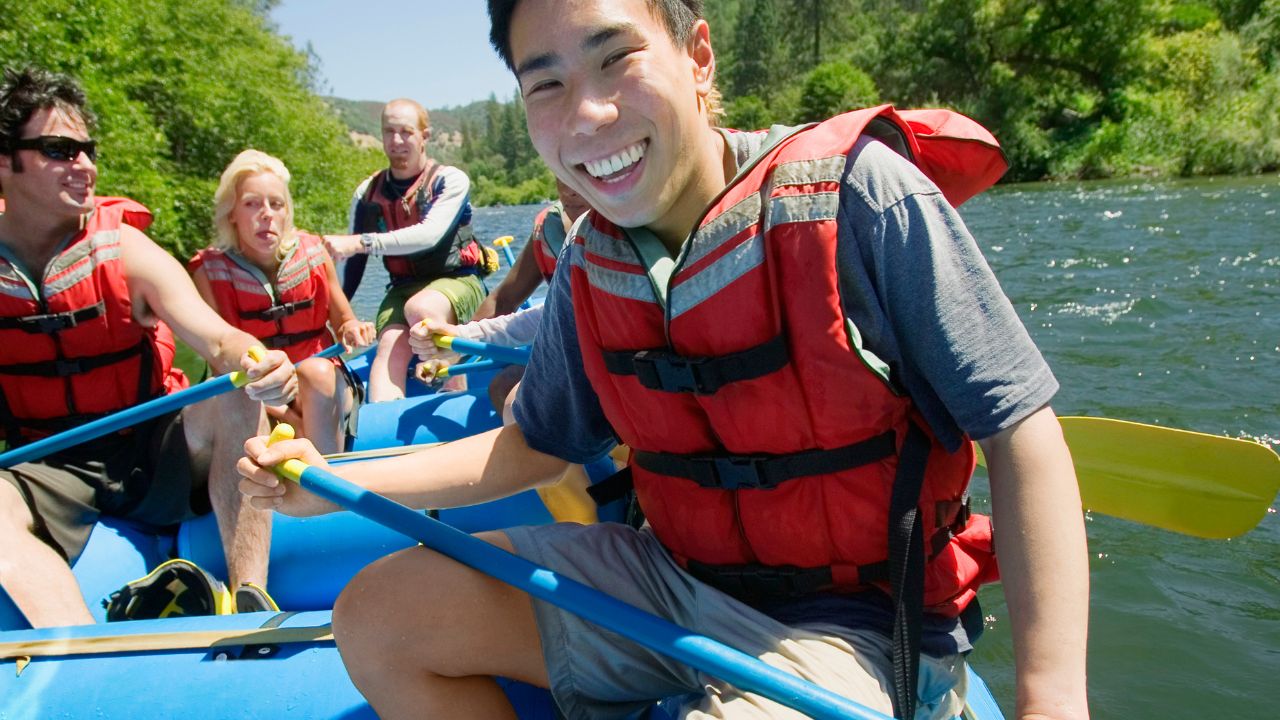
1072	88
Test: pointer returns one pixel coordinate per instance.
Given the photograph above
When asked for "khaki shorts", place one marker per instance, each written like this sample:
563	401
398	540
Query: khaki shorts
145	475
597	674
464	293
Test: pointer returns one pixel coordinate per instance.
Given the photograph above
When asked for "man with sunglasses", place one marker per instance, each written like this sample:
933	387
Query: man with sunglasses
86	306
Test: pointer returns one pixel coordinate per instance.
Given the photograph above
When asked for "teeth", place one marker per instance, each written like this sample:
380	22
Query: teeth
615	163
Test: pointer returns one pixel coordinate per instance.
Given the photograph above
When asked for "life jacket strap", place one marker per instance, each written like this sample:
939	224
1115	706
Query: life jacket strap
275	313
613	488
669	372
275	342
65	367
754	582
53	322
764	472
906	568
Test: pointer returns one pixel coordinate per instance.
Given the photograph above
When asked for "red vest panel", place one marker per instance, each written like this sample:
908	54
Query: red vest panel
71	348
289	312
548	240
760	436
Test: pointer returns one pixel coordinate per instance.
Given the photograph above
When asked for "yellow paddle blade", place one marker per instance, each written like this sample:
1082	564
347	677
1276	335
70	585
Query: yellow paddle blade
1197	484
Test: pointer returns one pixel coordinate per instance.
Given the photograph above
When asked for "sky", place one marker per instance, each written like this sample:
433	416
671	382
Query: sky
434	51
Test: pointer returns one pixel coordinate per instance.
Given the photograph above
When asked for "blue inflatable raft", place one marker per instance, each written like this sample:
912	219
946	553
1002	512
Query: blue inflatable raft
261	665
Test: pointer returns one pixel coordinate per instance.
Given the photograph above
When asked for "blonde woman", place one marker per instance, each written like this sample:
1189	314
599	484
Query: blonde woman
278	284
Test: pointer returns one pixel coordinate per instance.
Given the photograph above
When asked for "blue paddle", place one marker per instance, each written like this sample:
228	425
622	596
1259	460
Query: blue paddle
651	631
136	414
504	242
511	356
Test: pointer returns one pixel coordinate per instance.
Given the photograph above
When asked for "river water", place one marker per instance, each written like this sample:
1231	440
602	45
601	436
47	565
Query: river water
1157	302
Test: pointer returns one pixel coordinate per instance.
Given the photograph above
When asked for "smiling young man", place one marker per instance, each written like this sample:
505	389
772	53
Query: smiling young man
797	337
415	215
86	303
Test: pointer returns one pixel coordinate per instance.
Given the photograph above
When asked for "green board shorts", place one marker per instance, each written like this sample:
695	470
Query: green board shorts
145	474
595	673
464	292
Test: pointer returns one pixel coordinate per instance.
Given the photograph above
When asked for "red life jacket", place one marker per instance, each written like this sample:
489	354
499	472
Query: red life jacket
766	452
289	312
71	348
548	238
458	254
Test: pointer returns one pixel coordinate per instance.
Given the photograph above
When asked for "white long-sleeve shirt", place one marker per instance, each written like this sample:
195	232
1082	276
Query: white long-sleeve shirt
449	205
514	330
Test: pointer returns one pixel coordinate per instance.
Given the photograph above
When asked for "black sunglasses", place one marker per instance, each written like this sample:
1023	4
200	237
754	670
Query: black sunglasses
57	147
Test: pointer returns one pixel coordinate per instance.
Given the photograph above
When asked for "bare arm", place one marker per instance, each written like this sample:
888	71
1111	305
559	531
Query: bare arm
1040	540
521	280
342	318
340	310
473	470
159	285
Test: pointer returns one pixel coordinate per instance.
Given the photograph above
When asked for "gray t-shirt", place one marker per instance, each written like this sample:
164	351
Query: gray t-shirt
913	282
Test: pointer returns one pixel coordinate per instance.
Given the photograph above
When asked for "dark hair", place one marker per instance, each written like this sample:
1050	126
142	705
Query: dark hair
677	15
30	90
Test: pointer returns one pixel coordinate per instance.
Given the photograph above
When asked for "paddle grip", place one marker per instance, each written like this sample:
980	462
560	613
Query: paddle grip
504	242
256	353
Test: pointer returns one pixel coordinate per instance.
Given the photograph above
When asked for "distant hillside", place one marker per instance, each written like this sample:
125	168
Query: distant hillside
364	116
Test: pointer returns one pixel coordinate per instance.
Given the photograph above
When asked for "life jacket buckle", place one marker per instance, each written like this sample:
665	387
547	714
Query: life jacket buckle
64	367
661	370
738	472
50	323
276	313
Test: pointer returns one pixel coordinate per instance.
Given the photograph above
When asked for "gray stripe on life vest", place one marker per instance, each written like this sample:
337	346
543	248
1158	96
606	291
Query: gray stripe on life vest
597	243
12	283
622	284
811	207
807	172
83	258
716	276
728	224
296	273
240	280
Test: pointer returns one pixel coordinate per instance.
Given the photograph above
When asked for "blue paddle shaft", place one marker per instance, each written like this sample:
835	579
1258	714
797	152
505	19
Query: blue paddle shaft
697	651
474	367
129	416
511	258
512	356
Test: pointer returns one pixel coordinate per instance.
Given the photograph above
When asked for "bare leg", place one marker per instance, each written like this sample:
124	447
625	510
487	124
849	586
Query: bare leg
220	426
423	636
433	305
390	364
36	577
320	404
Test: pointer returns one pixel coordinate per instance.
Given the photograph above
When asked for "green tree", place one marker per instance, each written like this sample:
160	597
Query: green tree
833	88
759	58
181	87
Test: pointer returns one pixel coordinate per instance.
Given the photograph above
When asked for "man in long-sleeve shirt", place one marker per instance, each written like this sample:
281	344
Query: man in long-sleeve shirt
416	216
